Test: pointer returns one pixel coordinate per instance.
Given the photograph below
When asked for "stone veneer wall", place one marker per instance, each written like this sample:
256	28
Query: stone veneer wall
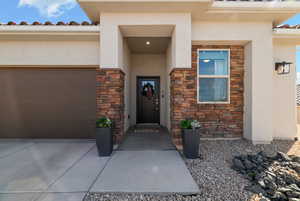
110	99
218	120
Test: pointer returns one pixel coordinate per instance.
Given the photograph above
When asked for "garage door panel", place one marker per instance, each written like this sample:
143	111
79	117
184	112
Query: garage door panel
47	103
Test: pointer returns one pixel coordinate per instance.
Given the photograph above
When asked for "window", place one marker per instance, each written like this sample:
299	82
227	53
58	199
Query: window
213	76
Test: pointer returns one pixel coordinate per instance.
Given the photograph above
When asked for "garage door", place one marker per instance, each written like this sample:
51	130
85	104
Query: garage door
47	103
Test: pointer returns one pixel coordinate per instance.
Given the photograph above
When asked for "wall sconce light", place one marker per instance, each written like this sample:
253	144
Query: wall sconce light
283	67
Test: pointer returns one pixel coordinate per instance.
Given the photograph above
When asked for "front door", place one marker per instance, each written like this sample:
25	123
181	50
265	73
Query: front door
148	102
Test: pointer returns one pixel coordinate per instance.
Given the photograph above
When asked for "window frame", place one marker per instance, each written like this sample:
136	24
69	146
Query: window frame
213	76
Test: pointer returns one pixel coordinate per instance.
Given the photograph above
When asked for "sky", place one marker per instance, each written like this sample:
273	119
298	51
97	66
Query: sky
67	10
296	20
41	10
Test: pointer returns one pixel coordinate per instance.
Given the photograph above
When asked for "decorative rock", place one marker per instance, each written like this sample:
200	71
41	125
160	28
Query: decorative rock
284	157
262	183
279	196
264	199
296	167
295	158
255	189
276	176
267	155
249	165
238	164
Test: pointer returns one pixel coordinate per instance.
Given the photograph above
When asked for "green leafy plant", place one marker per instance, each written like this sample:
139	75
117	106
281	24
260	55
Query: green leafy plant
190	124
103	122
186	124
195	124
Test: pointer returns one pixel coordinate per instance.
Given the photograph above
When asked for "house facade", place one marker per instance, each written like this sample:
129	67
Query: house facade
153	62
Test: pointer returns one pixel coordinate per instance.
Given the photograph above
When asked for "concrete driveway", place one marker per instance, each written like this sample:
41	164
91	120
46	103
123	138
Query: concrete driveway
64	170
48	170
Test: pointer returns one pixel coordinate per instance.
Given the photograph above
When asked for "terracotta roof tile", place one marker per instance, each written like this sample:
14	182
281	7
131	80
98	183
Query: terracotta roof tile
287	26
47	23
36	23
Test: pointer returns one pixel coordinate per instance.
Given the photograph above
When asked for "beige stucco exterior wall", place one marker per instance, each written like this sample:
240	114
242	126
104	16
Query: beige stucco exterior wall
248	92
32	52
298	115
110	49
126	64
148	65
284	92
168	84
259	92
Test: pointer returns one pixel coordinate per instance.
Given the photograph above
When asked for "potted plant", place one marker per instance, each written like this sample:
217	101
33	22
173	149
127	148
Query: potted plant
104	138
190	138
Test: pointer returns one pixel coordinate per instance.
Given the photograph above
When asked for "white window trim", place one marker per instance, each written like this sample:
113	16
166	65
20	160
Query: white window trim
213	76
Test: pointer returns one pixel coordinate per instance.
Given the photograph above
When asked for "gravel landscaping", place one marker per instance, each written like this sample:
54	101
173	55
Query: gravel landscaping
213	173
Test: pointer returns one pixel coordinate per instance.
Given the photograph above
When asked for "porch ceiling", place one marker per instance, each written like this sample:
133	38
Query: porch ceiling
147	30
158	45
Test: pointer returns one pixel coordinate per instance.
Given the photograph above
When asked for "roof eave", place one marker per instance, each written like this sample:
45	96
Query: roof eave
272	6
30	32
286	32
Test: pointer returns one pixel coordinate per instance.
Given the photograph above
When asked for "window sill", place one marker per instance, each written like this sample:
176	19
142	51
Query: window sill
218	103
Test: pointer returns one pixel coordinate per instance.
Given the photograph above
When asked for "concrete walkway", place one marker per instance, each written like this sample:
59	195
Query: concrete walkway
153	159
63	170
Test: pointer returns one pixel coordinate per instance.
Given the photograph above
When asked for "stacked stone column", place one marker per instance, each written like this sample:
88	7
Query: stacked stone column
110	99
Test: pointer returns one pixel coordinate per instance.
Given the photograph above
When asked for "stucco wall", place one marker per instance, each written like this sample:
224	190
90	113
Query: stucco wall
148	65
49	52
248	92
298	115
284	92
110	35
168	83
126	64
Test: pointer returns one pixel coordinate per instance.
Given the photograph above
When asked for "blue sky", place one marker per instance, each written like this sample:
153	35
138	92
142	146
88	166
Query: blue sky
41	10
296	20
63	10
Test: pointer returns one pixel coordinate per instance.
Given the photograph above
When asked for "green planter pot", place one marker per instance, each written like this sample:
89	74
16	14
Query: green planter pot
104	141
190	142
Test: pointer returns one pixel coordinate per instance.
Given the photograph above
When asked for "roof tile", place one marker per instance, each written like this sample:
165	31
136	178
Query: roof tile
47	23
287	26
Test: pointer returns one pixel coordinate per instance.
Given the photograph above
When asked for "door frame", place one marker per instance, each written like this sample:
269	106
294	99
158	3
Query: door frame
137	96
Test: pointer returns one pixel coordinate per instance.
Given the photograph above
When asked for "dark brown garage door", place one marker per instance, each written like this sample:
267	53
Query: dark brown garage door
47	103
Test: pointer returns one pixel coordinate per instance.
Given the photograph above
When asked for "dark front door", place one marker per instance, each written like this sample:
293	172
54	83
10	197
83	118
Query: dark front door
148	103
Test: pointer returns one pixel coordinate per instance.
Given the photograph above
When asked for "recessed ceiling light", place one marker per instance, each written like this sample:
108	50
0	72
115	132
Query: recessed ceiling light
206	60
148	43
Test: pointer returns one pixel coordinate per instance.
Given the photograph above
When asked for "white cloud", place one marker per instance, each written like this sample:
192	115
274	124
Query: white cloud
49	8
298	77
